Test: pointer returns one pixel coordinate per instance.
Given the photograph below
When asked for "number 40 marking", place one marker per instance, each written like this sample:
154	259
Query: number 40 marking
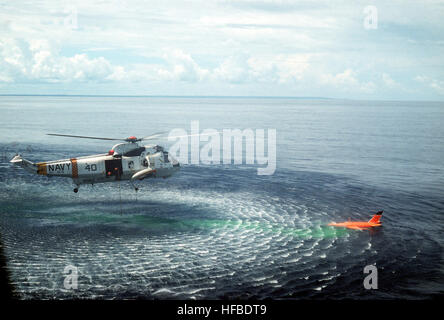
92	167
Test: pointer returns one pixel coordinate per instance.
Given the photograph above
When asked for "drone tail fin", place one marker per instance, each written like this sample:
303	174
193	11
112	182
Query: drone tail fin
376	218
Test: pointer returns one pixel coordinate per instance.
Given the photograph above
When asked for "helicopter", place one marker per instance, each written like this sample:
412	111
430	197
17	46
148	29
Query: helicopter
128	160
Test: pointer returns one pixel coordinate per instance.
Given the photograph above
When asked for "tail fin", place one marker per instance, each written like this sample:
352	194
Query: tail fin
16	160
376	218
26	164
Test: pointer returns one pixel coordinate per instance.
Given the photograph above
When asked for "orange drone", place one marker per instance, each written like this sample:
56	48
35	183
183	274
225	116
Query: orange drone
360	225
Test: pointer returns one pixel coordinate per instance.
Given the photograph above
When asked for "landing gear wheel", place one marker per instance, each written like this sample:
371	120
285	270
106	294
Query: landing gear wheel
76	190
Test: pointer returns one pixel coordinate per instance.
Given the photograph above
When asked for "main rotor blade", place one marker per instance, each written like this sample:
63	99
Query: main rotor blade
83	137
153	136
164	135
193	135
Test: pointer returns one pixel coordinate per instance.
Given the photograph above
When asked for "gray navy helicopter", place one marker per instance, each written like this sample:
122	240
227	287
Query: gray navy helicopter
128	160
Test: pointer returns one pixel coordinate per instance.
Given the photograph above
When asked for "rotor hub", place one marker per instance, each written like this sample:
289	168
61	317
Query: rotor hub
131	139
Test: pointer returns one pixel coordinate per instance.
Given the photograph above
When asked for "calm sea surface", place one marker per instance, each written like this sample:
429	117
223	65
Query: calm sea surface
222	231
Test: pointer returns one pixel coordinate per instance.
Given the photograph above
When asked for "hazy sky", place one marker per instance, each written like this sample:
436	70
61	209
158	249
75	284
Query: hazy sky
335	49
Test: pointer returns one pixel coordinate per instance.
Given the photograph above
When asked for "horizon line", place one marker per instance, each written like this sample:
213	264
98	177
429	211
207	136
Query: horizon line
203	96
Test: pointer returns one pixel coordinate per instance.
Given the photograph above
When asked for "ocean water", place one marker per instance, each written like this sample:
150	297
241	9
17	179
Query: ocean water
222	231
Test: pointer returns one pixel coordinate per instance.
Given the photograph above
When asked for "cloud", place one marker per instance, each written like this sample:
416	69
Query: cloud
289	47
38	60
12	61
182	67
388	81
436	85
177	66
347	81
346	78
279	68
266	20
233	69
245	68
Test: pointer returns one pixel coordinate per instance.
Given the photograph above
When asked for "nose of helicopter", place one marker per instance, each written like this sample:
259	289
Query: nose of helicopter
176	165
174	162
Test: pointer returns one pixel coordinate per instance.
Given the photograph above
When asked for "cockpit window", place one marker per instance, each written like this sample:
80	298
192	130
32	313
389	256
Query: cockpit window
134	152
158	148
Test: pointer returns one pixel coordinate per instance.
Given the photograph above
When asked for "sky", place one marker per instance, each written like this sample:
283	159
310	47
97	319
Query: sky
381	50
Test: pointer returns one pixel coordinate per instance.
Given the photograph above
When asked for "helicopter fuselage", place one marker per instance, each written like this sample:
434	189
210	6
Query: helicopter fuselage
125	161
